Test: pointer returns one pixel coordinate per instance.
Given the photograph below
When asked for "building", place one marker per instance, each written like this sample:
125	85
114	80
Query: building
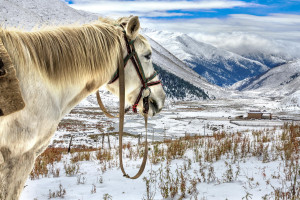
257	114
267	116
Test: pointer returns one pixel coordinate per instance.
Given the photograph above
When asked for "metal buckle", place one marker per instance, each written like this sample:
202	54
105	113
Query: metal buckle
148	90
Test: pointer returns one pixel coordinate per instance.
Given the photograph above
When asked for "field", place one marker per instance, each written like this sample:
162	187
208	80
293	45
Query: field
198	150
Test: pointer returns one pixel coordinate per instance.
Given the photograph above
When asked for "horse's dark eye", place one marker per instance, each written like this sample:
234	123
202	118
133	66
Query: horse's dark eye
148	56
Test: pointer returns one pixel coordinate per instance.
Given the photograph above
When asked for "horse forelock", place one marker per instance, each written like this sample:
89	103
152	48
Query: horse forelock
68	54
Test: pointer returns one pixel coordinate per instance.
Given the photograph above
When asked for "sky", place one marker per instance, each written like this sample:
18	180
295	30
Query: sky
229	24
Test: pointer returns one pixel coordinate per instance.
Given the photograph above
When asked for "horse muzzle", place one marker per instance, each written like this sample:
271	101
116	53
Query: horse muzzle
155	106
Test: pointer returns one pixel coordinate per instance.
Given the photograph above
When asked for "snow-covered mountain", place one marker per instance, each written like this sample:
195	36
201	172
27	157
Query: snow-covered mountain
270	60
280	82
176	75
30	13
218	66
280	77
171	64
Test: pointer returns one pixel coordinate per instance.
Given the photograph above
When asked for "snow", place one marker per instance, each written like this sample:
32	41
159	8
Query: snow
135	189
31	13
292	100
178	119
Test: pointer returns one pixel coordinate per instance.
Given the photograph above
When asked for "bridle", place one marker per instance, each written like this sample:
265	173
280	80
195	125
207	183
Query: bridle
146	83
133	56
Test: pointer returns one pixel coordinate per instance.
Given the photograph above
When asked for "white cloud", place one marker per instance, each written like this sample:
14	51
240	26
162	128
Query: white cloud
161	14
245	43
276	33
276	26
285	19
237	32
143	7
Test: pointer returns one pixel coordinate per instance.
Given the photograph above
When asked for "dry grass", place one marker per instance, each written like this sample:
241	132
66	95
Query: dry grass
48	157
265	145
61	192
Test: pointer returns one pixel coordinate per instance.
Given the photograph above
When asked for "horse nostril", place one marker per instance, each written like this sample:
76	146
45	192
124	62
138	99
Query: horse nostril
156	108
155	105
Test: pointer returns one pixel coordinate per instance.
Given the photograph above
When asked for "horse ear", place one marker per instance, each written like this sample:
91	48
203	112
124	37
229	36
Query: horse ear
133	27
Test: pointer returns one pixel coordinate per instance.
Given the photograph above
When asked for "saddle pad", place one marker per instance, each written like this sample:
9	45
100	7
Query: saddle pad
10	95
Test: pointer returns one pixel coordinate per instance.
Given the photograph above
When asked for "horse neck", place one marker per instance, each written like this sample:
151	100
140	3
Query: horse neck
39	92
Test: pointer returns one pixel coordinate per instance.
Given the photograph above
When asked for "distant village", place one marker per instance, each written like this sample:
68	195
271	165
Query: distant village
256	114
263	115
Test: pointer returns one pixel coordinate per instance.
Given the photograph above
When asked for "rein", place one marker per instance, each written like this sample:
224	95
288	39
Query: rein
146	83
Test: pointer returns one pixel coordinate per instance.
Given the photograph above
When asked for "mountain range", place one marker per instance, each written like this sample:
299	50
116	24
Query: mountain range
282	81
218	66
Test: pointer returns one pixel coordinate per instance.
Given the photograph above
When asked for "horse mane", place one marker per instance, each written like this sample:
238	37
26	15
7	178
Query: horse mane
66	54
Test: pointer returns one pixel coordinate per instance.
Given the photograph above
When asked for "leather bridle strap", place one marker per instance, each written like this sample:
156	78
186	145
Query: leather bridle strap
119	74
121	127
105	111
100	103
133	56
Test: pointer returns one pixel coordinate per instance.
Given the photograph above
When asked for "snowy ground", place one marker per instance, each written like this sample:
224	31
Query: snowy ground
250	177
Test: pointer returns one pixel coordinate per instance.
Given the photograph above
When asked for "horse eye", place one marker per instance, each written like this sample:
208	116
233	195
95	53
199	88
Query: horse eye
148	56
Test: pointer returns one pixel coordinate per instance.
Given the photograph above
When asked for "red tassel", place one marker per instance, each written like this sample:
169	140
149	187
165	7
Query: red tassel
134	108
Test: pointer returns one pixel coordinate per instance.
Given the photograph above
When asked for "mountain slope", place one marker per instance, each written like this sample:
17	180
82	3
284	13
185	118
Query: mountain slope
284	78
30	13
177	88
171	64
281	82
216	65
270	60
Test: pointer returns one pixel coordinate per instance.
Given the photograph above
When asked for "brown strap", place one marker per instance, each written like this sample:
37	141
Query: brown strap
121	121
121	126
100	103
143	165
105	111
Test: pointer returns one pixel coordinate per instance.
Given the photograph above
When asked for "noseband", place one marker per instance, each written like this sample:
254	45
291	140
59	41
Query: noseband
146	82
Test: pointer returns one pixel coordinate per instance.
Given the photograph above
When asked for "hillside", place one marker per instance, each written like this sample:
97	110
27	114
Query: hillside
218	66
170	63
179	89
280	82
284	78
31	13
270	60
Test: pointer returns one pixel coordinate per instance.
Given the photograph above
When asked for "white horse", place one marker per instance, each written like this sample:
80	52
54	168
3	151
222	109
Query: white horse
57	68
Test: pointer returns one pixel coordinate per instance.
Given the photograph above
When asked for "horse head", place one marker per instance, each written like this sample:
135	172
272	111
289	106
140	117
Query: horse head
141	79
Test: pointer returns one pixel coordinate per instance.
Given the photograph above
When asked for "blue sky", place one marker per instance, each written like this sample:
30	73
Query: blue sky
213	21
219	10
